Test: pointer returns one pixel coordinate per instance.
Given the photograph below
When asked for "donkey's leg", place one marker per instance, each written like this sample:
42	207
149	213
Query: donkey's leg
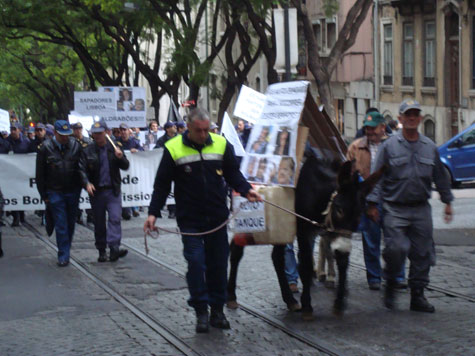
305	240
330	282
278	258
322	256
342	248
236	253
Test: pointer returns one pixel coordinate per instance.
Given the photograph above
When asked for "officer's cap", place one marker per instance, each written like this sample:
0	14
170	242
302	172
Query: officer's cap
213	126
98	126
77	125
169	124
123	126
409	104
180	125
16	125
63	127
40	125
31	130
373	119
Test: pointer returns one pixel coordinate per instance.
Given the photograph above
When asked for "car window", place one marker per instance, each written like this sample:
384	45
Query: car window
468	138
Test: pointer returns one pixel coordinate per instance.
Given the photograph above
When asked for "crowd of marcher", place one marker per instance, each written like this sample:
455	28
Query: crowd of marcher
203	165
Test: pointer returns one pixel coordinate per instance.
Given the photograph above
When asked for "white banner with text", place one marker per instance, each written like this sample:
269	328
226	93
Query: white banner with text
17	180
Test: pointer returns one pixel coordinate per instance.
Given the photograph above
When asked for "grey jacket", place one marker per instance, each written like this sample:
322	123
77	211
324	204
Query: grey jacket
411	169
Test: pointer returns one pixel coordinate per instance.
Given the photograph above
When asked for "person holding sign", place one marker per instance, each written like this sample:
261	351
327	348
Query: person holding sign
201	163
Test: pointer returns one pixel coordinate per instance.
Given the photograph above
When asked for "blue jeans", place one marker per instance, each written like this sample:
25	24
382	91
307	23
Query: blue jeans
371	236
207	258
64	207
291	270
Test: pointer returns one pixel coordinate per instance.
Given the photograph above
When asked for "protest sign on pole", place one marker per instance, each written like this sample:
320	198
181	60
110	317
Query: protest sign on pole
249	105
272	146
4	120
228	130
130	106
114	105
18	174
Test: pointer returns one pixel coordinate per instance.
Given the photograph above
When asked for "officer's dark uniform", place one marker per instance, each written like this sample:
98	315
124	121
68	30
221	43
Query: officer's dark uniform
4	146
59	180
132	142
405	189
200	195
83	141
1	213
103	171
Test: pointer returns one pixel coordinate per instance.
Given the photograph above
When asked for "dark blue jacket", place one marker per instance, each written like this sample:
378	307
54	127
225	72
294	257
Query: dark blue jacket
200	189
131	143
4	145
22	145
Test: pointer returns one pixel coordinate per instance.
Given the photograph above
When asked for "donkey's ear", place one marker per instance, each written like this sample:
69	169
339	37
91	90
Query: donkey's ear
345	174
369	183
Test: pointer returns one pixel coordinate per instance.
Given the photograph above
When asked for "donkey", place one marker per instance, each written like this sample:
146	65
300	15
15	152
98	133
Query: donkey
328	192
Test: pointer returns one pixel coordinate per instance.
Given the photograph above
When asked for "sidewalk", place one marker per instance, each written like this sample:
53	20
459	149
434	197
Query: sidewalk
47	310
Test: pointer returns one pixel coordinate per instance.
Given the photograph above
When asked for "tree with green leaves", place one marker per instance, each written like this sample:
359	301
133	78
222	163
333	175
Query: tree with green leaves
322	68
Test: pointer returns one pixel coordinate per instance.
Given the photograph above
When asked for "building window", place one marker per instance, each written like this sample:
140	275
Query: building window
408	54
388	55
325	30
429	54
429	129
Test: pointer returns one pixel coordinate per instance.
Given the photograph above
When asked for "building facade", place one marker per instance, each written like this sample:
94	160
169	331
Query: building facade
426	51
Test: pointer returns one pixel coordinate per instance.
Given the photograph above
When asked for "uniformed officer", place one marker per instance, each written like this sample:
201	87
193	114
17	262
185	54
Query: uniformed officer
413	163
102	163
59	181
363	152
170	132
4	145
181	127
77	133
40	136
197	162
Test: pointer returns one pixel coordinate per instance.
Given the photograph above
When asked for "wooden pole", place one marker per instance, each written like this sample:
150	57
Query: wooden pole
112	142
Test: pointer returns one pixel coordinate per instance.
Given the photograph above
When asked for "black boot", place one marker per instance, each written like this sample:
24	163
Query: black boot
419	302
390	295
1	251
202	323
218	319
116	253
102	255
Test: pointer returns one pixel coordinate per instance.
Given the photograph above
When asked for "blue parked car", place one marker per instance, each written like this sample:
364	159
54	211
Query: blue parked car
458	156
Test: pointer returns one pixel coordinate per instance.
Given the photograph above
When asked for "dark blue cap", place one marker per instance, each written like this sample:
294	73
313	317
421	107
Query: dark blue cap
76	125
31	130
180	124
63	127
169	124
98	126
40	125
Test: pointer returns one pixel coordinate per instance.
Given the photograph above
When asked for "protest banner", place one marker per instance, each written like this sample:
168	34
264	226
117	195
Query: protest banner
250	218
130	106
272	146
228	130
17	179
114	105
249	105
4	120
277	142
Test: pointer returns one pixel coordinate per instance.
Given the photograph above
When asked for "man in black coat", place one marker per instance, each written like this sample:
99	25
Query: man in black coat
102	162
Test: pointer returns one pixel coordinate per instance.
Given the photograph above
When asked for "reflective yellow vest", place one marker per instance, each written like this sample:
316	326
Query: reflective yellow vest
183	154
